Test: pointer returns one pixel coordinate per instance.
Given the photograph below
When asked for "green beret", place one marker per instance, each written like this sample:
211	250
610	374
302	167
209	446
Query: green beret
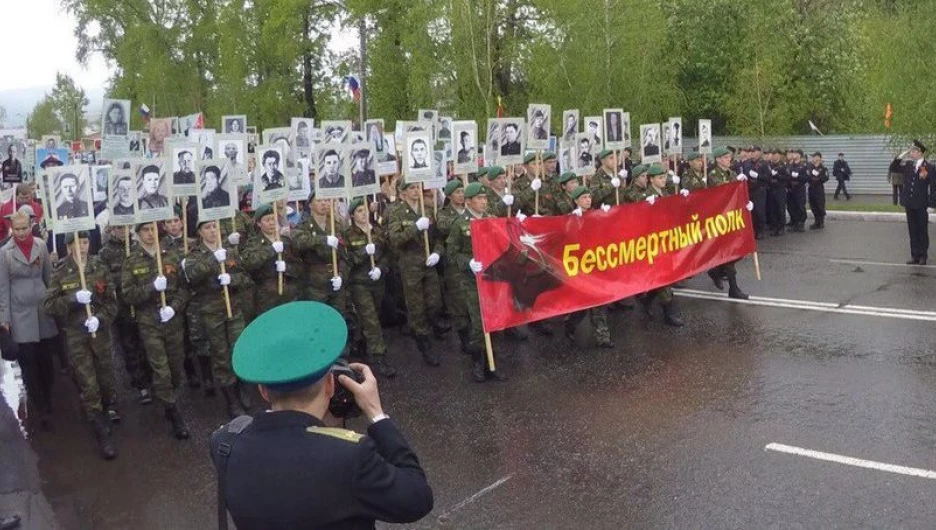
70	237
475	188
277	352
692	156
720	152
656	169
139	226
482	172
495	171
549	155
355	204
529	158
177	210
402	184
639	169
452	185
604	153
566	177
263	210
578	192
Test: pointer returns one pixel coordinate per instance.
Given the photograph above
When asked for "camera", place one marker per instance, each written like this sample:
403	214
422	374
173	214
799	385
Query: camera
342	403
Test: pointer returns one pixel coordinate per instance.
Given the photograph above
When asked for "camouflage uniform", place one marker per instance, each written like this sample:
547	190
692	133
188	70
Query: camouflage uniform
548	198
420	283
601	190
90	356
164	342
564	203
124	329
454	298
718	177
692	180
366	294
496	205
243	223
309	242
259	259
635	193
197	347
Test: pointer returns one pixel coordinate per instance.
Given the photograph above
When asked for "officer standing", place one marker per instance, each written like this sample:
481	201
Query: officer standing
87	338
818	176
919	195
693	177
336	478
142	283
602	183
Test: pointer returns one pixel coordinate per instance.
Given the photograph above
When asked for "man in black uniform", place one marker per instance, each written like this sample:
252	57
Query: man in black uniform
757	171
919	193
333	478
842	173
818	176
796	192
776	193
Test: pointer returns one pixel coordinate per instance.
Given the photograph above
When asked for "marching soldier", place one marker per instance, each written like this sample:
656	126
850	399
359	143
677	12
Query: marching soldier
420	279
637	191
796	193
314	244
462	258
451	276
693	177
656	190
918	194
818	176
602	183
548	188
87	338
757	171
172	227
161	332
568	181
237	230
366	283
259	258
776	193
202	268
719	175
499	197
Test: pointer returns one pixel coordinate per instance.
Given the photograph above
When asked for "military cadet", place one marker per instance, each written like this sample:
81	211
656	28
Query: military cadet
568	181
918	195
420	278
202	268
499	197
451	276
637	191
796	192
462	258
776	193
602	183
336	478
757	171
124	330
367	286
524	174
259	258
599	315
818	176
693	177
172	228
143	284
550	165
719	175
87	338
237	230
547	186
657	189
314	244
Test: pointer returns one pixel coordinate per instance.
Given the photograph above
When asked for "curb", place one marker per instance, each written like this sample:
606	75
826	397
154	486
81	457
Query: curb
885	217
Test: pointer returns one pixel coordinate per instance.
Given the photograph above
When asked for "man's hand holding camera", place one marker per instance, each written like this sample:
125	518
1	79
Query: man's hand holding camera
365	394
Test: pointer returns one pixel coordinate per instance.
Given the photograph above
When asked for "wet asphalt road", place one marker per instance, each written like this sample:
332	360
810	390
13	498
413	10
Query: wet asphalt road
667	430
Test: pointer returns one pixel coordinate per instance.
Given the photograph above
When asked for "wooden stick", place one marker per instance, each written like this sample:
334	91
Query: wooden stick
184	232
490	352
509	185
127	254
159	264
422	212
334	250
705	170
757	267
617	190
279	255
435	203
81	275
464	179
369	229
226	293
539	174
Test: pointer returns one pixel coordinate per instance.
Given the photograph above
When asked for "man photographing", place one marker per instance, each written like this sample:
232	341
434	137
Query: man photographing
334	478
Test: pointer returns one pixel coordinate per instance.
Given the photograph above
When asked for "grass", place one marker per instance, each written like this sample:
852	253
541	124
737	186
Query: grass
847	206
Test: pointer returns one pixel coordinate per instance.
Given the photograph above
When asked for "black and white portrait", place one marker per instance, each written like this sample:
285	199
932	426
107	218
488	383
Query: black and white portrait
122	204
302	135
614	129
626	127
51	141
417	148
389	165
205	138
298	181
71	190
336	132
594	128
705	136
214	190
373	132
431	117
332	165
585	151
137	143
232	149
570	126
153	192
101	176
234	124
675	136
465	138
116	118
183	158
650	143
538	120
512	139
271	168
444	129
363	170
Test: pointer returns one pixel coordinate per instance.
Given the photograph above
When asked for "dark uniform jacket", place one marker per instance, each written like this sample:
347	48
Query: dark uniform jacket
60	300
286	470
136	283
778	176
919	189
818	175
841	170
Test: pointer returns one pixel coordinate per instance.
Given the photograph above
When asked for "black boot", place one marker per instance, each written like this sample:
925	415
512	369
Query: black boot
382	366
800	227
670	317
179	430
234	408
733	290
204	362
715	275
429	356
100	424
815	225
477	365
464	337
191	376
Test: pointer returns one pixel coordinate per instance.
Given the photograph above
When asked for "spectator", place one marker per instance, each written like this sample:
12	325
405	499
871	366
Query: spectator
842	173
24	195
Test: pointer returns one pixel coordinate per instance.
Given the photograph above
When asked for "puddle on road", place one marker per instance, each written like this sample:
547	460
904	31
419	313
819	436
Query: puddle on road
13	391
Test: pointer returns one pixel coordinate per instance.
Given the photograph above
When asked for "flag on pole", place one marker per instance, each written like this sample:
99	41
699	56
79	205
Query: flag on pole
814	128
353	87
144	112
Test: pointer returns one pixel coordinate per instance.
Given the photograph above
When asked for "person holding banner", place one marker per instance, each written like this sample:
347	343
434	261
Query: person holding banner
213	291
454	298
637	191
367	258
160	322
462	258
719	175
260	261
69	296
693	177
568	181
500	199
605	183
657	189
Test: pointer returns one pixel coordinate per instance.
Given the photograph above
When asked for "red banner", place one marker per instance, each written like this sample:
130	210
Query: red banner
549	266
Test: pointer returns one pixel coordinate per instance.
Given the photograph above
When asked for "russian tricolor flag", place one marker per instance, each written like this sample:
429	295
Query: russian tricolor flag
144	112
354	87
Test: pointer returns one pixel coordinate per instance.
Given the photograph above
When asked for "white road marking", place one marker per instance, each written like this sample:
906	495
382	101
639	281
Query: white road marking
850	461
879	263
482	492
823	307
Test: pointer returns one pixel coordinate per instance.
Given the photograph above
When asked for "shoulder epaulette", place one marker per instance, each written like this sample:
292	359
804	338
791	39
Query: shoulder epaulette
334	432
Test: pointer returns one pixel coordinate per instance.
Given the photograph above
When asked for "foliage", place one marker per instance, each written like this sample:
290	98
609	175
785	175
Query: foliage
69	101
43	119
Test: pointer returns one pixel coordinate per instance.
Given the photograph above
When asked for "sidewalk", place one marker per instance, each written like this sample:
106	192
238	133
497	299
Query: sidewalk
20	486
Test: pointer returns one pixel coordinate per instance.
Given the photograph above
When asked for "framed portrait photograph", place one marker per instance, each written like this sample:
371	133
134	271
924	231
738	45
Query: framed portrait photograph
705	137
336	132
444	129
216	191
70	197
675	136
232	148
183	157
154	194
331	160
431	117
301	137
585	152
50	141
364	170
539	119
160	131
390	165
115	128
101	181
440	160
417	156
465	138
650	151
234	124
270	181
614	129
122	202
191	122
512	142
137	144
405	127
594	127
205	138
570	126
373	132
299	182
46	158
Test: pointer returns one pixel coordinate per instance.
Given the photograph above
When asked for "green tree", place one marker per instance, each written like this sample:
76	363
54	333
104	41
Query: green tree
69	101
43	119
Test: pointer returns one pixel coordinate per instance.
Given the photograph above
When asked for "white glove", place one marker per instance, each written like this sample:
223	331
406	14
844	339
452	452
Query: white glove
220	254
475	266
753	174
370	248
508	199
741	177
422	223
815	172
536	184
83	297
606	208
92	324
166	314
234	238
622	173
521	216
684	192
616	182
749	206
159	283
336	283
432	260
278	247
280	266
795	174
577	211
773	172
676	179
651	199
331	241
374	274
224	279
